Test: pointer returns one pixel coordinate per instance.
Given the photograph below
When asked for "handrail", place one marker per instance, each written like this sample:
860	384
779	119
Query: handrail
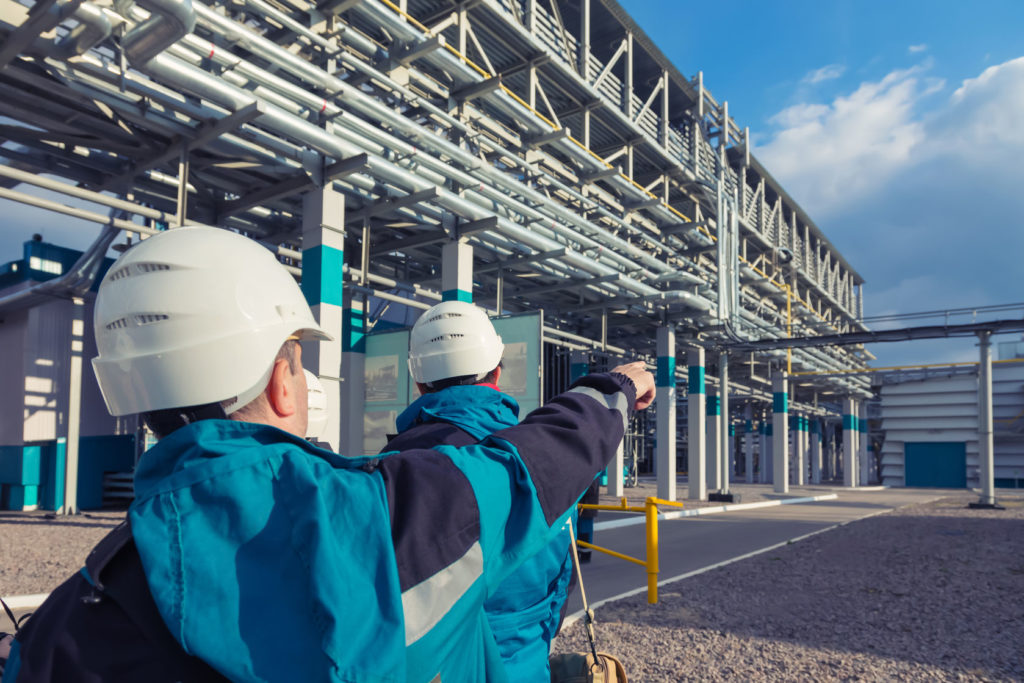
650	510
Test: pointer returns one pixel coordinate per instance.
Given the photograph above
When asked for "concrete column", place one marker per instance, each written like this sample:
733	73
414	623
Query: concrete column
780	444
762	459
666	413
986	459
323	247
457	271
725	428
862	445
769	459
696	440
801	451
815	434
730	463
748	444
849	442
713	461
72	427
353	372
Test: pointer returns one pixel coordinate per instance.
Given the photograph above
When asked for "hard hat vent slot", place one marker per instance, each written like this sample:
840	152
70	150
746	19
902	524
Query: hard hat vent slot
149	318
117	324
446	336
442	316
138	268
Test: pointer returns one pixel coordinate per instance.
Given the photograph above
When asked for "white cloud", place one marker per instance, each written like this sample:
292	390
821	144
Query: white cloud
829	153
917	48
919	190
825	73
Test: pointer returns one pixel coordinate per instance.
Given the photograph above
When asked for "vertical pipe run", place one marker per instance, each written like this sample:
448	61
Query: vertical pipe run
780	444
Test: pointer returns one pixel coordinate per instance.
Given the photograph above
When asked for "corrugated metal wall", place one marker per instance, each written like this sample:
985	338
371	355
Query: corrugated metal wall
945	409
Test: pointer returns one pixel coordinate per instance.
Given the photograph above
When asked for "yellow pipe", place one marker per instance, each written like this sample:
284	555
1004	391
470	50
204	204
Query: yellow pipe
606	551
789	329
652	551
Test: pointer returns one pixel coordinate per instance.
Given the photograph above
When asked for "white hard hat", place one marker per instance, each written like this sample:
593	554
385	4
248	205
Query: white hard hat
191	316
317	413
453	339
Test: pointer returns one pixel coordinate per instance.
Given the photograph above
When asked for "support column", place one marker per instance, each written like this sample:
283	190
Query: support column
986	452
780	444
72	427
748	444
862	445
849	442
762	458
696	441
800	436
666	413
457	271
323	247
815	429
725	426
713	461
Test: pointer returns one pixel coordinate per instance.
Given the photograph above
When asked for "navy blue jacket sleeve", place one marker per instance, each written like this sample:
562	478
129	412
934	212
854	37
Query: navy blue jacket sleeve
504	498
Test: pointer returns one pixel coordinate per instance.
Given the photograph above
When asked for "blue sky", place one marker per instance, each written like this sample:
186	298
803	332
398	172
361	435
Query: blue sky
898	126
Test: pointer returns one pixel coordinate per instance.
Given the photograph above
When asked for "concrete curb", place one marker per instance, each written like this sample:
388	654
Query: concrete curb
26	601
679	514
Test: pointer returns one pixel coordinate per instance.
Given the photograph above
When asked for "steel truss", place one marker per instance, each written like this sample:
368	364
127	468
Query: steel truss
592	179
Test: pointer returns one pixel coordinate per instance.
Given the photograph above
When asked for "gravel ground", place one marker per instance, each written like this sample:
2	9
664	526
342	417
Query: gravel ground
39	550
927	592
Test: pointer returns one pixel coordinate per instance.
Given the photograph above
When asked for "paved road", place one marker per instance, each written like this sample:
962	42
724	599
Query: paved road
693	543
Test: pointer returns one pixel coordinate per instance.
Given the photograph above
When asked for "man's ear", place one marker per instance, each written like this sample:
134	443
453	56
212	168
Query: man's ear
280	392
497	375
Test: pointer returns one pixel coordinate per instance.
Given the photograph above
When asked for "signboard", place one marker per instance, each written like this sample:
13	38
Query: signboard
390	389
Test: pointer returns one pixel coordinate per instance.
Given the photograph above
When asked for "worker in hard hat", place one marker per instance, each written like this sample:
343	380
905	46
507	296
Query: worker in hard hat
264	557
455	360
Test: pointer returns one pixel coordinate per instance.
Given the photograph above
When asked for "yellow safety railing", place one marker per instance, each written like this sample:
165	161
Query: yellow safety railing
650	510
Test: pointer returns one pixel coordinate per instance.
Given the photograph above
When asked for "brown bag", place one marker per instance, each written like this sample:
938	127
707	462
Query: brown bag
577	667
582	667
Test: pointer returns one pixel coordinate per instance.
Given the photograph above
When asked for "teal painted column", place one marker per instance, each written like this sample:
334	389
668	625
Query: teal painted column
725	432
862	445
849	442
457	271
713	462
799	451
815	436
748	444
780	442
665	397
695	434
323	256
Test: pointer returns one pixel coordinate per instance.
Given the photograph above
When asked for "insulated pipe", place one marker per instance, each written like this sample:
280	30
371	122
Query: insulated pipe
360	43
375	111
170	20
200	82
95	26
